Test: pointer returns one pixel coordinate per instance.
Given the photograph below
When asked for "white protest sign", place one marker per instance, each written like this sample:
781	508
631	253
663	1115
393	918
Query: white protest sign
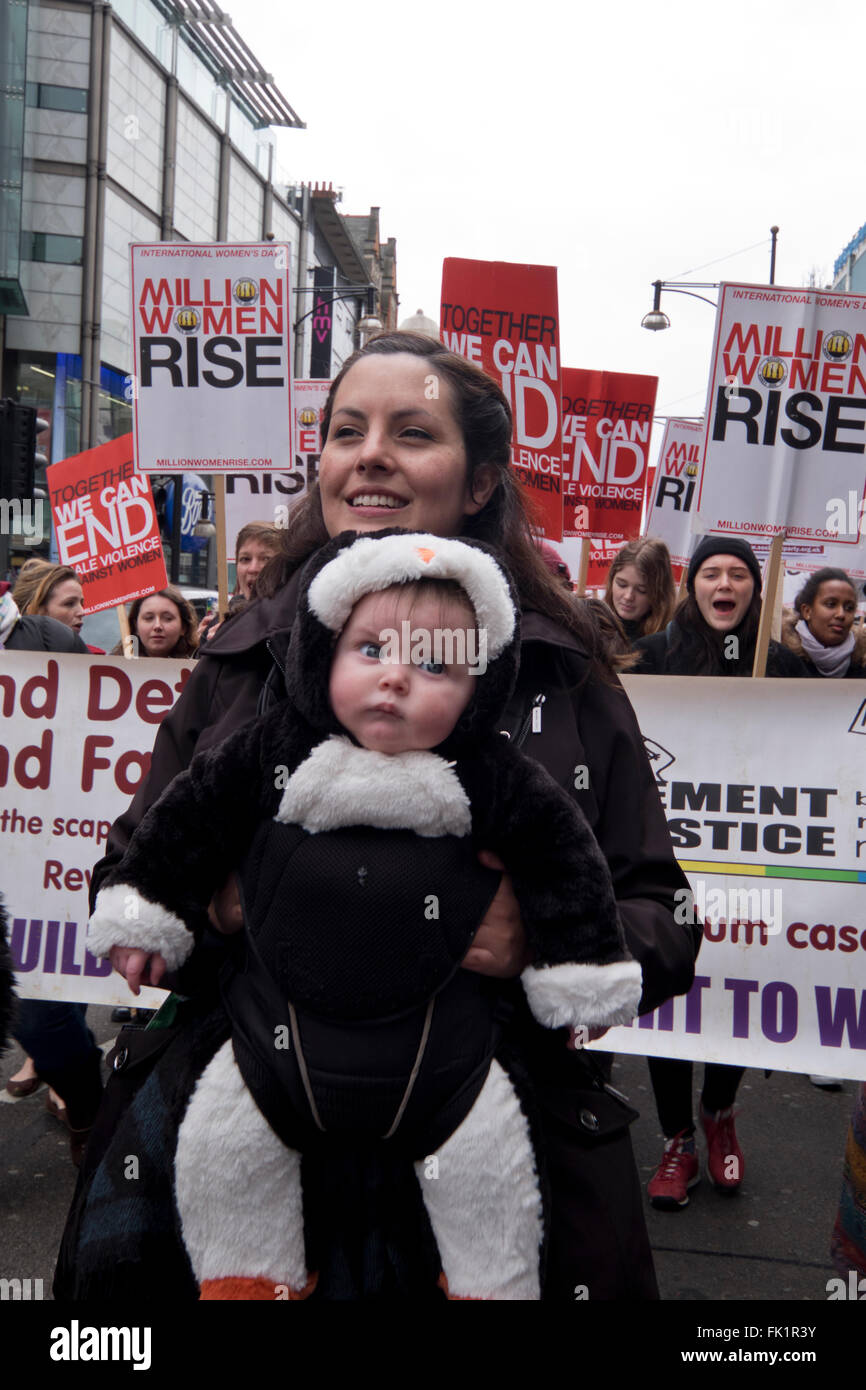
786	414
764	788
270	497
76	742
212	347
669	514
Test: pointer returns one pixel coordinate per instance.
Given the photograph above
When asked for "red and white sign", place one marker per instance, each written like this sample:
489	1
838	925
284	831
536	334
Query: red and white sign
785	430
106	525
669	514
212	340
271	497
506	318
606	428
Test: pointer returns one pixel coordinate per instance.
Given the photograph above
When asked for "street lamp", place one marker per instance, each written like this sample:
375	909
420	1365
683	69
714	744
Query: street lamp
657	319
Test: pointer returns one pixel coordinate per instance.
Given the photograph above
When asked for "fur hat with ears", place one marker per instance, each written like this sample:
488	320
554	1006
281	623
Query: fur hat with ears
353	565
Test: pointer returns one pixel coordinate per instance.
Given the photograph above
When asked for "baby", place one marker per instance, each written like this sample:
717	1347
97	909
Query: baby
356	810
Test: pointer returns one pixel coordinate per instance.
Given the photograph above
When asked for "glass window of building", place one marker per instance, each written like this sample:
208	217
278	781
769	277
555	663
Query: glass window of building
196	187
136	120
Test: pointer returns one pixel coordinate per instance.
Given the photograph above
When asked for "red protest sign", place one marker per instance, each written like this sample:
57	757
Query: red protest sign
106	526
506	318
606	427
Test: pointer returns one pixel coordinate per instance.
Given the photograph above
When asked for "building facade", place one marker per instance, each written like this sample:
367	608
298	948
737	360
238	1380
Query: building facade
143	120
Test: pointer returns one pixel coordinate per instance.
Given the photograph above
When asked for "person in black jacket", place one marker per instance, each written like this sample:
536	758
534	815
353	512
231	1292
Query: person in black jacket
712	633
416	436
821	631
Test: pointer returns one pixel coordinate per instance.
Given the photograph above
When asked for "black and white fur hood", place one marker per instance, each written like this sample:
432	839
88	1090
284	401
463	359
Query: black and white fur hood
355	564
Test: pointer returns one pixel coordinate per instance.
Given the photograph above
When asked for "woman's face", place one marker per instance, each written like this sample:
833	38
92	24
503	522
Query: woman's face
394	455
723	591
629	594
159	626
831	614
65	604
250	562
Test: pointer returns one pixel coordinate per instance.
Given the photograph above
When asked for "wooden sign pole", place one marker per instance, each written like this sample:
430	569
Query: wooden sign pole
582	568
222	551
768	606
127	641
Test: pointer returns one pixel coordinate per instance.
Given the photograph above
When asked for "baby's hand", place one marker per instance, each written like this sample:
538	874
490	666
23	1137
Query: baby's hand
137	967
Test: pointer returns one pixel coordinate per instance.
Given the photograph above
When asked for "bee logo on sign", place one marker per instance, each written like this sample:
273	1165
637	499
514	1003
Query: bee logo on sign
245	291
691	470
307	417
187	320
837	346
772	371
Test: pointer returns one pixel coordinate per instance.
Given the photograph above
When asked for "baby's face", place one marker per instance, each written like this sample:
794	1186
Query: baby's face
387	686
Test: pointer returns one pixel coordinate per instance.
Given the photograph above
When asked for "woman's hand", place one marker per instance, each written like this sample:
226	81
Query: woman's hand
138	967
208	626
499	946
225	912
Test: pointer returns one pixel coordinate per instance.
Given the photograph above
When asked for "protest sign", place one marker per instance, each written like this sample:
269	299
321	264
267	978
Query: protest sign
270	497
767	820
606	426
669	514
105	525
786	410
76	741
506	318
212	346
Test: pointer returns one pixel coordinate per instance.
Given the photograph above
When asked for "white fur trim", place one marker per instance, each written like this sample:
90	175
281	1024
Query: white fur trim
483	1199
369	565
340	784
122	917
595	996
238	1187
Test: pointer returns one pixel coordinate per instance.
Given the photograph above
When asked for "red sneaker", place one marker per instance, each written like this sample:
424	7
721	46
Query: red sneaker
725	1163
668	1188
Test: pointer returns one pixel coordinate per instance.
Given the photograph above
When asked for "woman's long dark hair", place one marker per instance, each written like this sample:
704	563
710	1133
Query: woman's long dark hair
485	420
186	643
693	639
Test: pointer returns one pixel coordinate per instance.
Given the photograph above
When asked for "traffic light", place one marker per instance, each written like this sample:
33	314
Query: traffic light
17	451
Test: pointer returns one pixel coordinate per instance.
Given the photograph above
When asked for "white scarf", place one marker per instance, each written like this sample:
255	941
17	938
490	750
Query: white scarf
830	661
9	616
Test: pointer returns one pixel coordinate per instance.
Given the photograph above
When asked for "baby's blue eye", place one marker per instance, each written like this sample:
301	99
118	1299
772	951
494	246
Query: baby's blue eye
436	668
370	649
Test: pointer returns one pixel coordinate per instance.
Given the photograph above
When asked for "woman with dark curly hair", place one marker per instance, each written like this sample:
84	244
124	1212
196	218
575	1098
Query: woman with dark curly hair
821	630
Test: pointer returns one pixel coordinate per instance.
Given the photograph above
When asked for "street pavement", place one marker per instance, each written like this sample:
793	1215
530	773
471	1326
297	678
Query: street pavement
769	1242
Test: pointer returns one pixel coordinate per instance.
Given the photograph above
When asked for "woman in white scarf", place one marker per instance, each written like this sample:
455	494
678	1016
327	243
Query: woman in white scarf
821	630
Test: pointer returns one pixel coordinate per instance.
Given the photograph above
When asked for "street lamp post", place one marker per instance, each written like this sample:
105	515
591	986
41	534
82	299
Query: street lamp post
657	319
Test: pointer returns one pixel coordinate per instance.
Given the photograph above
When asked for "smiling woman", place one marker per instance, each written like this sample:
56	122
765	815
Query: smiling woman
416	437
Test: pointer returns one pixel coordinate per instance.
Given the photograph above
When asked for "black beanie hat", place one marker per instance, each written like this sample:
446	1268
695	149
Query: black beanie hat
723	545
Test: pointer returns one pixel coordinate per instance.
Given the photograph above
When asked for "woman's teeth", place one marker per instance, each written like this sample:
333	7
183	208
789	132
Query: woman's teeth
373	499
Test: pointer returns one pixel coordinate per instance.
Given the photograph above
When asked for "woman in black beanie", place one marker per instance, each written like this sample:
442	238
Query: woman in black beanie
712	633
715	628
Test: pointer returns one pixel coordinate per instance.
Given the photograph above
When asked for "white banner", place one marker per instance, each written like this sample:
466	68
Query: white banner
76	743
270	497
212	347
786	415
669	515
764	786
